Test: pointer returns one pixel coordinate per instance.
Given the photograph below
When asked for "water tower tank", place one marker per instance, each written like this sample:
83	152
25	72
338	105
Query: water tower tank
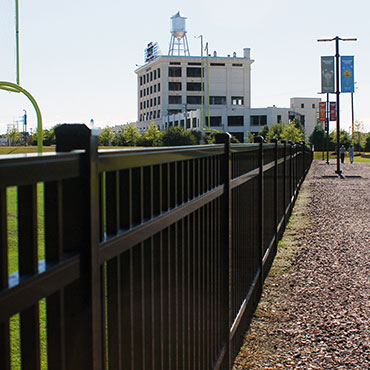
178	43
178	25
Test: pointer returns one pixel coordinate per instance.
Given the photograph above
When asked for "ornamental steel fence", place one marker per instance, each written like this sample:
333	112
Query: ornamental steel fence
148	258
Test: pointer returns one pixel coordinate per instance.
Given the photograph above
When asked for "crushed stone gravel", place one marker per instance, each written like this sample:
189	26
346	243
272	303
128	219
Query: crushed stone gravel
315	312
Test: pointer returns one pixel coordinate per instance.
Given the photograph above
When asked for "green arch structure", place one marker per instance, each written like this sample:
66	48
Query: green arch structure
9	86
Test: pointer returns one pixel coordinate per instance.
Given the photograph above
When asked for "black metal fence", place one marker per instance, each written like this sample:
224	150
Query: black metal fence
154	258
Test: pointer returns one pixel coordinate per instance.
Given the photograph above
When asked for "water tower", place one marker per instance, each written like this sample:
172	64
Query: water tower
179	42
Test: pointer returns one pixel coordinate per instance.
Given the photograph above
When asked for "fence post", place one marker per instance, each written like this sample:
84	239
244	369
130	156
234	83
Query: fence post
284	182
82	300
290	173
259	139
227	250
303	159
275	141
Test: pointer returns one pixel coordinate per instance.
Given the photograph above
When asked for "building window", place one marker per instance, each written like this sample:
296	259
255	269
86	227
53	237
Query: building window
150	115
278	118
235	120
154	114
303	120
313	106
237	100
141	105
151	102
188	123
141	80
216	121
151	76
159	73
155	88
155	74
237	65
176	123
155	101
147	91
194	64
159	100
141	117
302	105
217	100
174	86
258	120
193	99
158	113
151	89
144	79
141	93
175	63
144	92
173	99
193	72
147	77
218	64
159	87
174	71
182	123
144	104
173	111
193	86
194	122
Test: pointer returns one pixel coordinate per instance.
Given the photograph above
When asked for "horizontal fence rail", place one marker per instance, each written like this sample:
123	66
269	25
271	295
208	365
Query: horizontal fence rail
138	259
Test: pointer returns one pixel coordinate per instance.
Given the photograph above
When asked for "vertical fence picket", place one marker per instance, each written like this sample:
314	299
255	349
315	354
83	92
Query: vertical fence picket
28	265
4	325
53	254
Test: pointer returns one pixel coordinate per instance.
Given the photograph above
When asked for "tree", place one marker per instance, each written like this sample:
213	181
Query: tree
292	132
366	143
274	131
344	139
178	136
129	136
106	137
357	138
318	139
14	136
152	136
263	132
250	137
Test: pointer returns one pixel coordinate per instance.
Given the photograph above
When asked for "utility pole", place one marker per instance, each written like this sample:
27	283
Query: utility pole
17	38
337	39
327	128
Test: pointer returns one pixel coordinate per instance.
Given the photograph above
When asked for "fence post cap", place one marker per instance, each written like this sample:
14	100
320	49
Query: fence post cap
258	139
74	136
222	137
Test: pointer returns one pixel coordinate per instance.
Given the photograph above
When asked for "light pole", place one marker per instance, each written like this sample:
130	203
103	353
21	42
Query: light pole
337	39
201	77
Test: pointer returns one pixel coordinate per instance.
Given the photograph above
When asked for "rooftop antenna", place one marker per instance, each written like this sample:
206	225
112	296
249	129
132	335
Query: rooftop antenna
179	41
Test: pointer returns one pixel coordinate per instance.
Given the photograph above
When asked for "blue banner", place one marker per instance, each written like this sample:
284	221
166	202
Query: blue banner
347	77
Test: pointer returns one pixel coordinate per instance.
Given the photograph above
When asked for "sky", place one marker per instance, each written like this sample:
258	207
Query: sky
77	58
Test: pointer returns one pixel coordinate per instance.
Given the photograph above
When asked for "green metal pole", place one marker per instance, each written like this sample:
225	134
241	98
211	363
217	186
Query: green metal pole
17	38
209	117
201	78
9	86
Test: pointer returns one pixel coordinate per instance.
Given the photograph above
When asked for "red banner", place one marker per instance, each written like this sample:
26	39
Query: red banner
333	111
322	111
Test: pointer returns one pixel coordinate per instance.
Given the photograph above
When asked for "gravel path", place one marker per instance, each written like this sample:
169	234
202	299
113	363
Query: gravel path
315	309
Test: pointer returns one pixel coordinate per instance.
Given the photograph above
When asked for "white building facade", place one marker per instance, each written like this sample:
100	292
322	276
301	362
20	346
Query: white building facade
169	92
